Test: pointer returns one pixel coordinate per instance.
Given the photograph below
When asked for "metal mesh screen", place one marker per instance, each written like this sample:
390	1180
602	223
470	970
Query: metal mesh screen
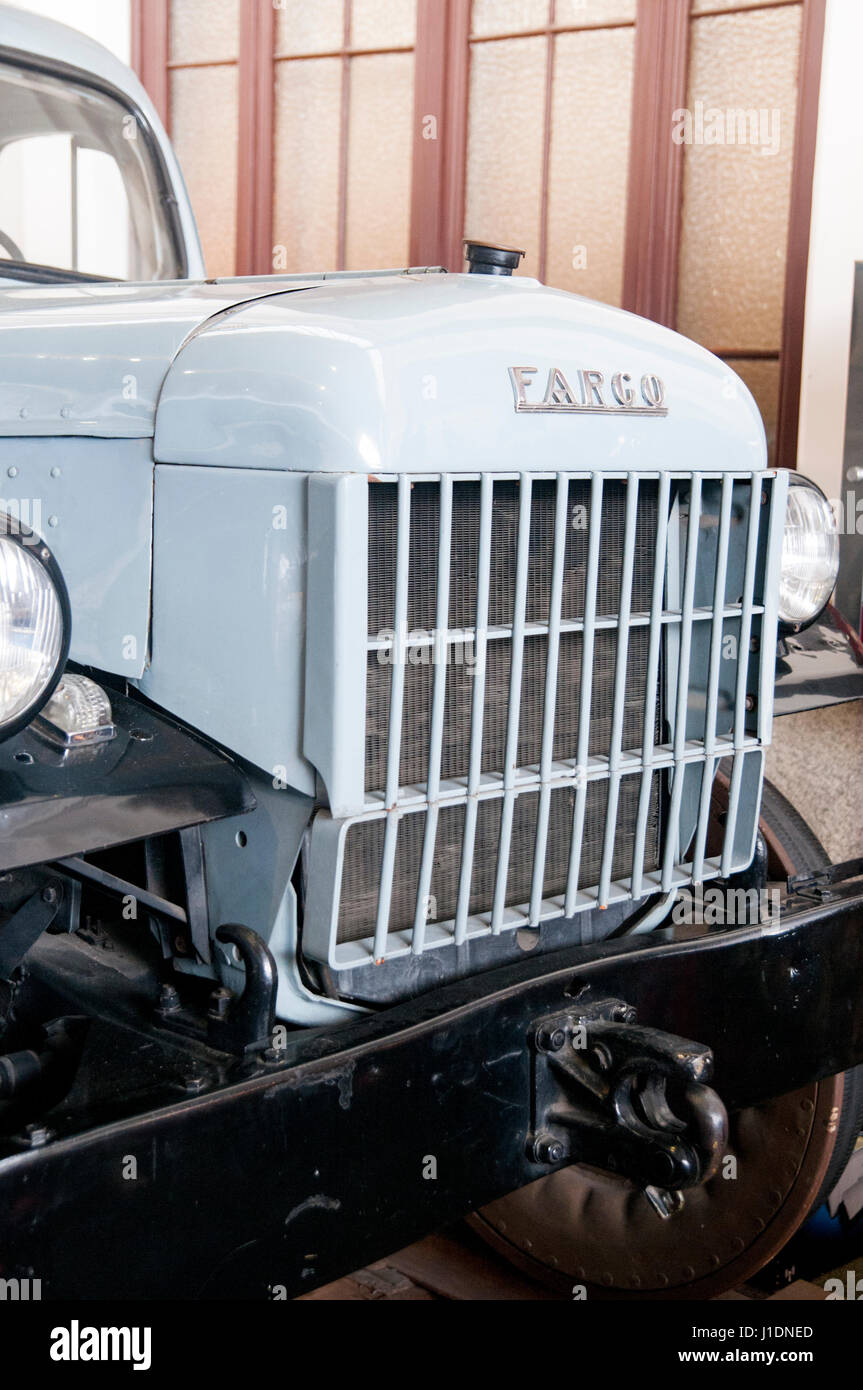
464	567
551	681
416	719
464	553
365	842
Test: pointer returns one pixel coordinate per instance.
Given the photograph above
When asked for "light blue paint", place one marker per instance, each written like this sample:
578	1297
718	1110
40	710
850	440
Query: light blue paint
410	373
229	611
92	500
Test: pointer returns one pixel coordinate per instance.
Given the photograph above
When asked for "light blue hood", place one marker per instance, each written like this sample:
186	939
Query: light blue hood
411	372
371	373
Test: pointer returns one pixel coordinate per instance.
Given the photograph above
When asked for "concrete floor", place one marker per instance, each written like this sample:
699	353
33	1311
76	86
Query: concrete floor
816	760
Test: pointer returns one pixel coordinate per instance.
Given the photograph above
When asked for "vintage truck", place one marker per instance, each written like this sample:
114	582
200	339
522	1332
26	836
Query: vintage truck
384	660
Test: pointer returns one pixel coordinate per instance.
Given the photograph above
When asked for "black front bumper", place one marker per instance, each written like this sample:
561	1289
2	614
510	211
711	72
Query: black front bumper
286	1176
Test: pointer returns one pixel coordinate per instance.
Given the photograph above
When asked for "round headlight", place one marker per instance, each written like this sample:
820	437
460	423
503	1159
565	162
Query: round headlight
810	555
34	625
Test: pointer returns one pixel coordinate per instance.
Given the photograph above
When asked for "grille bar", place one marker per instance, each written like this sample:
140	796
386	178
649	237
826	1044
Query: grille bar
551	669
681	701
477	707
585	696
717	634
520	770
621	659
437	714
651	684
747	611
459	636
514	711
396	708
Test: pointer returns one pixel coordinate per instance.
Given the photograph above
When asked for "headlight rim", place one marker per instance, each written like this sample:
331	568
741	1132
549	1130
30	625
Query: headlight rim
36	547
785	627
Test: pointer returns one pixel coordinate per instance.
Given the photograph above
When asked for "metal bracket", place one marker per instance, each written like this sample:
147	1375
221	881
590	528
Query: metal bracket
816	883
241	1024
629	1099
244	1024
25	926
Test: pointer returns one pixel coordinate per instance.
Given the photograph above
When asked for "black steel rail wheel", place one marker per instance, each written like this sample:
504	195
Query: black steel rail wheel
583	1229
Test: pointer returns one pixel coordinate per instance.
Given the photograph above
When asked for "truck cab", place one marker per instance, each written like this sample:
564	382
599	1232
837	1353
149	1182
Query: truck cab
387	662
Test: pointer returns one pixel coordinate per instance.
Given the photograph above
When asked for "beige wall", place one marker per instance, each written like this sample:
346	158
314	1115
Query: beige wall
837	222
836	242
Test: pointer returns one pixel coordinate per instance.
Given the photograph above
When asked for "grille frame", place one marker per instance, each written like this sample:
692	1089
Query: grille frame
684	763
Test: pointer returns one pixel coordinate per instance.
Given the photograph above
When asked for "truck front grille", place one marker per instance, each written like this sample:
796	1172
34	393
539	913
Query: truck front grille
553	674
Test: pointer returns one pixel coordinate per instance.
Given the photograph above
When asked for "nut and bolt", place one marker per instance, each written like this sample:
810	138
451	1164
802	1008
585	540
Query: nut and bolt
194	1082
49	895
169	1000
546	1149
550	1038
220	1003
623	1013
34	1136
751	703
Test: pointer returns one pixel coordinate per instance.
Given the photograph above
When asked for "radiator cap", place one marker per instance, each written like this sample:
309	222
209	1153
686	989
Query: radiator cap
484	258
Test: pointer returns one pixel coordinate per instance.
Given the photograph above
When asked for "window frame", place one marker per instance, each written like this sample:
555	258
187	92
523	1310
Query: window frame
166	198
442	76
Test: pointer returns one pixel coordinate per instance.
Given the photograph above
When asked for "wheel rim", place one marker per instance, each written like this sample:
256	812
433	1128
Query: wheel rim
583	1227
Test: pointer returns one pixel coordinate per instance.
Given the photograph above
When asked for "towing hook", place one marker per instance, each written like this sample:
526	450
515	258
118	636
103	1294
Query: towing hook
627	1098
243	1023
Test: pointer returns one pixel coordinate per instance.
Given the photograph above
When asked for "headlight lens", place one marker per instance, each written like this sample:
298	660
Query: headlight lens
34	627
810	555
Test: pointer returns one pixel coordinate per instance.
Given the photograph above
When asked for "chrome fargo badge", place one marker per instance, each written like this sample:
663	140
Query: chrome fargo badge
592	396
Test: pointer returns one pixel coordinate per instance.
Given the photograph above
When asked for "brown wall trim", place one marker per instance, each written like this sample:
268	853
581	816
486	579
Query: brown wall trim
426	235
456	133
346	51
204	63
799	222
655	162
547	117
747	354
149	25
554	29
344	137
254	252
440	93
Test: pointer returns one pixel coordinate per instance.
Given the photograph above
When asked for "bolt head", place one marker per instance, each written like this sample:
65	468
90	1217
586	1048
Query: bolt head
193	1083
169	999
35	1135
623	1013
550	1039
220	1002
546	1149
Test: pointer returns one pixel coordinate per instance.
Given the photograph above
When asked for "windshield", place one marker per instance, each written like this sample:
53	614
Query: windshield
80	192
